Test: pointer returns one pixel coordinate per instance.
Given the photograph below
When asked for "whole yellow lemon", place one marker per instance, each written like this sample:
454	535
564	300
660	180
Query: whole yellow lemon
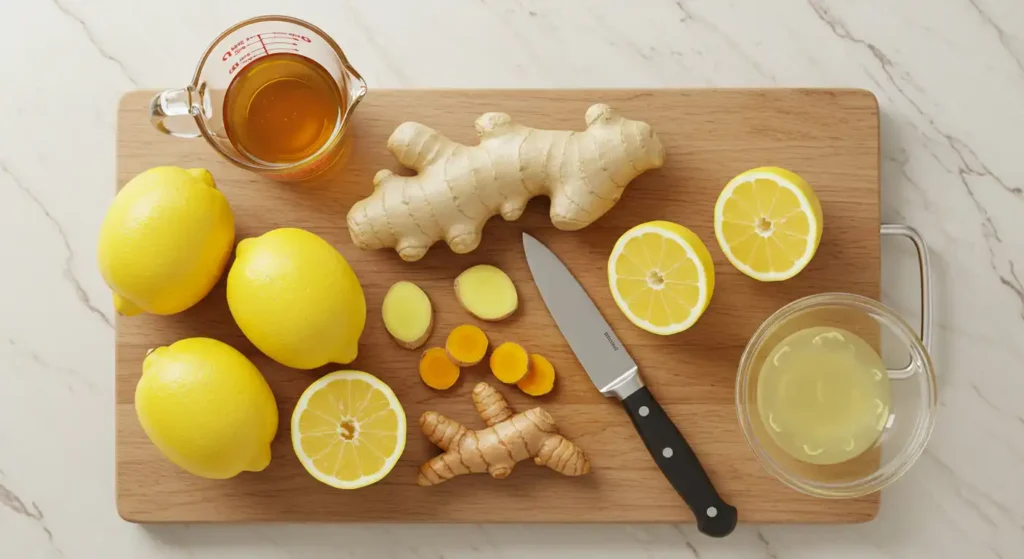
296	299
207	408
165	240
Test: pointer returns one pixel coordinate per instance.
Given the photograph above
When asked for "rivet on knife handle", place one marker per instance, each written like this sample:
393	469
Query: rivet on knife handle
680	465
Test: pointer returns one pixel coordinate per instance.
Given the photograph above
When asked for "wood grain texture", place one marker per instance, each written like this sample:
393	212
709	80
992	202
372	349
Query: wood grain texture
830	137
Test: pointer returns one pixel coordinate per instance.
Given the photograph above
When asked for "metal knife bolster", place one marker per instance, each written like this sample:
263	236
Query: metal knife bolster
625	385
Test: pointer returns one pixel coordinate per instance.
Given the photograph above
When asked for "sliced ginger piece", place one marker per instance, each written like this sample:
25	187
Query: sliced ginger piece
510	362
466	345
487	293
540	376
408	315
437	370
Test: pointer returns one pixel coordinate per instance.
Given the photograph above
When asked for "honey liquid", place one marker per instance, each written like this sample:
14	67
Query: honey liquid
823	395
282	108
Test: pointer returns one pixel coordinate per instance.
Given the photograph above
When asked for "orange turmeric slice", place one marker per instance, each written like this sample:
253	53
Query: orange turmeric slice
436	370
540	376
509	362
466	345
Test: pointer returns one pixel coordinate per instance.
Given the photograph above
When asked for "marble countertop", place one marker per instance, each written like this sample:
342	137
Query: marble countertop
949	77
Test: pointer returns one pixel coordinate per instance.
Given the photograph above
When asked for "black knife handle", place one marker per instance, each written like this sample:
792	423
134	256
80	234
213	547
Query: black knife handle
680	465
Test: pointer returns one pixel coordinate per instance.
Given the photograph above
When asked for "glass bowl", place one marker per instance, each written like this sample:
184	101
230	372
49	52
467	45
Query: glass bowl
912	387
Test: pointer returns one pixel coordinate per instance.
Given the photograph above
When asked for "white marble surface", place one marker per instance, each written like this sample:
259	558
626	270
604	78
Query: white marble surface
950	79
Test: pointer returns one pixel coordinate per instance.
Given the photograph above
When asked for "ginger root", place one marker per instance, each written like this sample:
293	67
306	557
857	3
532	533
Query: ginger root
510	362
457	187
508	439
436	370
486	292
466	345
540	378
407	314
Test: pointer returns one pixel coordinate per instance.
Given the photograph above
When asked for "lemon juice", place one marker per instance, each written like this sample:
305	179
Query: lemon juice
823	395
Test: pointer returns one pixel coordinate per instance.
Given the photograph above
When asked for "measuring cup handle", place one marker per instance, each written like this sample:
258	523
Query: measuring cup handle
174	112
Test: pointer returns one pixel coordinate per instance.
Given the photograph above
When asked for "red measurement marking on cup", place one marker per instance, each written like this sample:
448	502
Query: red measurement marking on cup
262	44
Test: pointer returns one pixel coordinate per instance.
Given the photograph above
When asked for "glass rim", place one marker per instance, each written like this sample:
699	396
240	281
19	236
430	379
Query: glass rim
339	129
922	427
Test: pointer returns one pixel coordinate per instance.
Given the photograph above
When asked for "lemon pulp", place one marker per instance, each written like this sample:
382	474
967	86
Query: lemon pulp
348	429
661	276
768	223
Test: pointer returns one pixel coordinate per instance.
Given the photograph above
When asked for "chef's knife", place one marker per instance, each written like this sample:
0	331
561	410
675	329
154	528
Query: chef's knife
614	373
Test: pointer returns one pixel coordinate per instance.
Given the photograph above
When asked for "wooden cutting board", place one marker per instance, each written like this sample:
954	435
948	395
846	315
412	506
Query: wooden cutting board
830	137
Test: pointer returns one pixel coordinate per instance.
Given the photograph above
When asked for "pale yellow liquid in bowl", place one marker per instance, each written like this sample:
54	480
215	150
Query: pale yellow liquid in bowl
823	395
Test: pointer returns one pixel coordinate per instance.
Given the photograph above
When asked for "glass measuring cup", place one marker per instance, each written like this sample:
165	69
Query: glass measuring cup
197	109
912	387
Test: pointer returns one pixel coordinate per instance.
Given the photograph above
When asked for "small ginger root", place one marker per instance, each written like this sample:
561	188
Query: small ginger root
510	362
486	292
540	377
407	314
466	345
508	439
437	370
458	187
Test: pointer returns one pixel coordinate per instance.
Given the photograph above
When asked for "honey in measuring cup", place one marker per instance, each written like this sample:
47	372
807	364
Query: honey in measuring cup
282	108
272	94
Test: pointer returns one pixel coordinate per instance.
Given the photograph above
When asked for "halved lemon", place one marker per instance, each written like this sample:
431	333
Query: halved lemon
348	429
768	223
661	276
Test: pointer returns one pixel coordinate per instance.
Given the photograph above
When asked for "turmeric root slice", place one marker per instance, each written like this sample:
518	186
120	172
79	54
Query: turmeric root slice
407	314
466	345
436	370
487	293
509	362
540	377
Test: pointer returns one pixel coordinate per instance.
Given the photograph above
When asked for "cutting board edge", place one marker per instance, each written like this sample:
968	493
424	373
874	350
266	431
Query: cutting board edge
139	516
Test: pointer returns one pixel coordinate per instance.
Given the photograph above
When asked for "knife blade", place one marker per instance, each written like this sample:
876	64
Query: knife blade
614	372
